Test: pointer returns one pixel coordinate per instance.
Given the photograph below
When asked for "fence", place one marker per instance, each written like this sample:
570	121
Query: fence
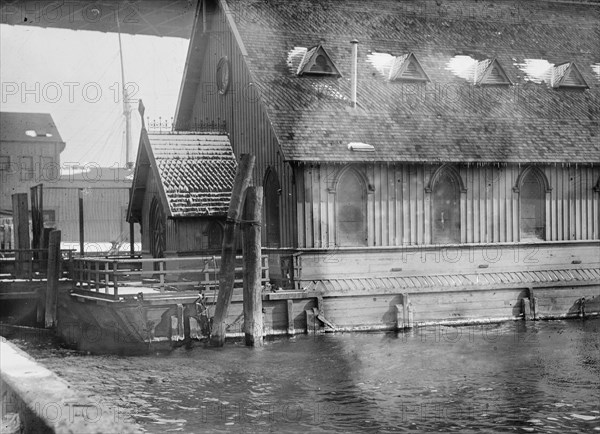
116	278
30	264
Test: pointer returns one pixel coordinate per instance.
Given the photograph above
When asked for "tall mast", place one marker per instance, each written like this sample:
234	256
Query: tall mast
126	111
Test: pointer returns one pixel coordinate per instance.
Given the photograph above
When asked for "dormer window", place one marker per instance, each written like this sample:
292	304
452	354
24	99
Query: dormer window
567	75
490	72
398	68
479	72
407	67
317	61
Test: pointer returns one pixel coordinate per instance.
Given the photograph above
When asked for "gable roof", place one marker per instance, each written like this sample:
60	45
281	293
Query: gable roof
448	119
195	173
317	61
29	127
568	75
407	67
489	71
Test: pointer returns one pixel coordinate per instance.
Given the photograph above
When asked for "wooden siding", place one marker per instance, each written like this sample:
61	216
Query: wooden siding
399	207
189	236
242	111
349	263
104	212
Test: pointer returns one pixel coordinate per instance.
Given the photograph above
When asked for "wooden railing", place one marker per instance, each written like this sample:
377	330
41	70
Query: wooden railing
119	278
30	264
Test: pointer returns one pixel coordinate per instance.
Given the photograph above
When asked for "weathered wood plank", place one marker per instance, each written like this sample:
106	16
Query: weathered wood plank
308	210
316	205
54	264
227	274
405	206
253	317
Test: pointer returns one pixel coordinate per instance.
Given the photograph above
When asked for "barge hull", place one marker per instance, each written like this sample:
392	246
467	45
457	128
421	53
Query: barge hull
159	322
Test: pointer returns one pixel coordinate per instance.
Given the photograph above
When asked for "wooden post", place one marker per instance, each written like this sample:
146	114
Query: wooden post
81	224
21	232
40	307
131	229
44	247
53	275
290	317
227	272
253	320
132	239
41	301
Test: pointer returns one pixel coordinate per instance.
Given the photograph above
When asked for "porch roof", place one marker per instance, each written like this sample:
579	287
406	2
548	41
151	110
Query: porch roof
195	173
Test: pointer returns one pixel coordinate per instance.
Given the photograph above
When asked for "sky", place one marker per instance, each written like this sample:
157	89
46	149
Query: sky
76	77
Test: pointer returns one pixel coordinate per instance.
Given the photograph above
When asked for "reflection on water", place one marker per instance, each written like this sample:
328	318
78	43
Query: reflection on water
523	377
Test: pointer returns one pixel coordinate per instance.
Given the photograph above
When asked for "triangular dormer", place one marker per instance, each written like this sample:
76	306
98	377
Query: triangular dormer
490	72
407	67
317	61
567	75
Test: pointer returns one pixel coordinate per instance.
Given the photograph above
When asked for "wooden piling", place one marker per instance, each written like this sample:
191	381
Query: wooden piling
54	262
253	318
41	300
227	272
81	224
21	233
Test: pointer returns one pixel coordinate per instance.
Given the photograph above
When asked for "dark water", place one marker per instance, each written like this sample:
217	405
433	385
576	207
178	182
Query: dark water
511	377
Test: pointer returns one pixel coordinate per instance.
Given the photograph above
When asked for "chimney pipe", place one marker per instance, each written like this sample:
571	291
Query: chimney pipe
354	78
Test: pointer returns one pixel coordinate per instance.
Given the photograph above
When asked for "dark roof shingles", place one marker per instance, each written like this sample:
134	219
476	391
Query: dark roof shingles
196	172
447	119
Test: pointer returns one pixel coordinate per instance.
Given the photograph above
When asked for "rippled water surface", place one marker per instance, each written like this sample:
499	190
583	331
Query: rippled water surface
511	377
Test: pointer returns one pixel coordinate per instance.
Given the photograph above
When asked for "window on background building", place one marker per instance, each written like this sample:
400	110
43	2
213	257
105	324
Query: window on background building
49	218
532	196
4	163
446	209
351	210
26	168
272	190
49	171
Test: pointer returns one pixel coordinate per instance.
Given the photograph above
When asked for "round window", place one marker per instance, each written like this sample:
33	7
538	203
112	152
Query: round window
223	75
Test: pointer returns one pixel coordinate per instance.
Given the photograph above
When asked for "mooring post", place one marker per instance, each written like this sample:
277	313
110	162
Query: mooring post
227	272
253	320
131	228
41	300
81	224
533	303
21	232
54	261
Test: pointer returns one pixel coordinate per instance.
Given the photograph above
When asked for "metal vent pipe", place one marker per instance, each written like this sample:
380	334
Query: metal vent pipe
354	78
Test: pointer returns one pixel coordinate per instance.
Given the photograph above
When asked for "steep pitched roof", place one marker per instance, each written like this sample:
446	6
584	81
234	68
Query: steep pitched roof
195	171
28	127
447	119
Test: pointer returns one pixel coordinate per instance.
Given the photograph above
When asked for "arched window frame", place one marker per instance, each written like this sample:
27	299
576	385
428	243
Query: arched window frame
271	173
433	180
541	176
156	212
209	226
368	191
596	217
